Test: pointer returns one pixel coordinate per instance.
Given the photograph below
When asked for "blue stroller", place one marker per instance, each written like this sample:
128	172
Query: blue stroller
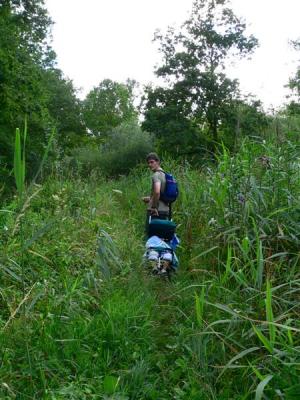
160	247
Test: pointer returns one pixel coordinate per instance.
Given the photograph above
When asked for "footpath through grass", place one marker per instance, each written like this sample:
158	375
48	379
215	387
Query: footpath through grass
81	319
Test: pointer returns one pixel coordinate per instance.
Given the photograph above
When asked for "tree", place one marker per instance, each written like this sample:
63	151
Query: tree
194	61
294	84
167	116
244	117
64	108
107	106
126	146
24	53
31	86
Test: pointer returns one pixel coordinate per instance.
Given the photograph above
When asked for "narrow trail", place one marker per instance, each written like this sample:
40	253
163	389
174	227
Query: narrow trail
165	346
164	328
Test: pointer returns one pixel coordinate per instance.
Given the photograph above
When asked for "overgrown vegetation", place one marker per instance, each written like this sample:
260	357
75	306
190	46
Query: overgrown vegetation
80	318
126	146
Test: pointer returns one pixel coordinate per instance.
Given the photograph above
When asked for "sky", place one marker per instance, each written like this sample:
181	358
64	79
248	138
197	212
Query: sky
99	39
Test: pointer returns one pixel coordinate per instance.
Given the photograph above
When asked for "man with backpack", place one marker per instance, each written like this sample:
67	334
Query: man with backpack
163	191
156	207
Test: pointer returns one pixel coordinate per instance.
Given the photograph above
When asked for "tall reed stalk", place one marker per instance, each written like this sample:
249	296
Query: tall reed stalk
19	160
19	173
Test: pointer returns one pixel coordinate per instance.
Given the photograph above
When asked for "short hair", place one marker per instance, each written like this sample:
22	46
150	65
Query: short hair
152	156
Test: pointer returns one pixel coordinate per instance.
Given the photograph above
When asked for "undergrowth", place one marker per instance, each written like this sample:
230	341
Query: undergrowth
81	319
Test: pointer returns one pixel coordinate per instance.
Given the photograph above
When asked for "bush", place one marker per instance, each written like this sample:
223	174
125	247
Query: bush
125	148
128	145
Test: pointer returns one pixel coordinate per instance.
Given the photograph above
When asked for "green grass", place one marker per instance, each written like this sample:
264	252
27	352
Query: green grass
81	319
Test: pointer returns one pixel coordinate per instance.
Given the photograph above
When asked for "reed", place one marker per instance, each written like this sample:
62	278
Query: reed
99	327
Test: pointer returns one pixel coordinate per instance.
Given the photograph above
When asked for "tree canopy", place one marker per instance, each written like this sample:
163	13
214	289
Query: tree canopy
107	106
30	83
198	91
294	85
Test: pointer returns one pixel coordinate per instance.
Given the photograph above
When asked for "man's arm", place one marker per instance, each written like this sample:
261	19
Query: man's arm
155	195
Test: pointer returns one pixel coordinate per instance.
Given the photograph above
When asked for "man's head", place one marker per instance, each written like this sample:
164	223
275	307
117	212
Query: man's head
153	161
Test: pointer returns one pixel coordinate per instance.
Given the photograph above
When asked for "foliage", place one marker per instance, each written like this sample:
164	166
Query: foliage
20	160
243	118
30	22
127	145
31	86
92	324
64	108
166	116
294	83
293	108
79	316
193	64
107	106
21	90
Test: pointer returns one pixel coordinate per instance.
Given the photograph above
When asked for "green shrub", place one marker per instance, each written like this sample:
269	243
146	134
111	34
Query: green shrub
125	148
128	145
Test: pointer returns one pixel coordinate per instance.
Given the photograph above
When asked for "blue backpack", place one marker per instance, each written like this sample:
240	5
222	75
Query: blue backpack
171	191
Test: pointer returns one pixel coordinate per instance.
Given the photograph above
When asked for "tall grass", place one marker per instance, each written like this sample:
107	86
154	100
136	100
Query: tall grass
99	327
19	160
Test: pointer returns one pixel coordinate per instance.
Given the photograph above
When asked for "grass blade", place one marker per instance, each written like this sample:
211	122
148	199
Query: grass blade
237	357
265	341
203	253
228	264
199	306
44	156
259	264
260	388
18	167
269	314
